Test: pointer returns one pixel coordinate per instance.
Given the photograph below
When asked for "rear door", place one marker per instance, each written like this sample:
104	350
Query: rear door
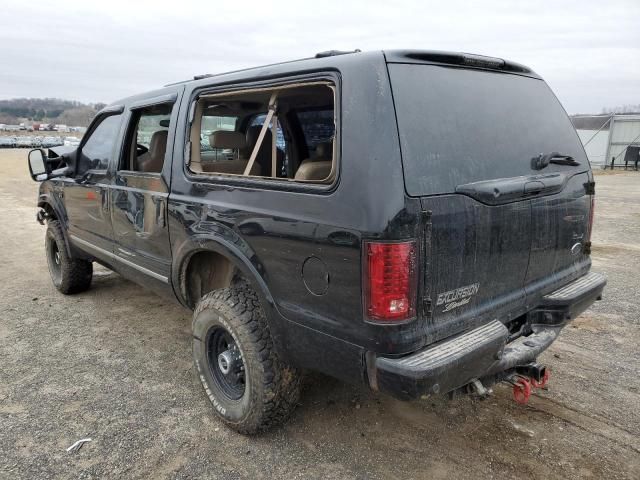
494	225
558	237
140	189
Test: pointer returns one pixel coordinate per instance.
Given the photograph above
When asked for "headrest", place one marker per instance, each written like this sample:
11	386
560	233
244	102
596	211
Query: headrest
158	143
225	139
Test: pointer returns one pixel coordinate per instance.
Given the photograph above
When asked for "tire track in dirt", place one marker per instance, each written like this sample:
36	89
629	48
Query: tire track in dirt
590	423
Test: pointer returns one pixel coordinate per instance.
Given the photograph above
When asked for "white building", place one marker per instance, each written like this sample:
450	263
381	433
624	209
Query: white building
608	138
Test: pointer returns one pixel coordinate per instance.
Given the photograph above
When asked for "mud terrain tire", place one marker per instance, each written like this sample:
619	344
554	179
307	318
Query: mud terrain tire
67	274
268	389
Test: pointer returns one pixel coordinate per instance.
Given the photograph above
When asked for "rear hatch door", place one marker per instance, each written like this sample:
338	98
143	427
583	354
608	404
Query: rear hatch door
498	231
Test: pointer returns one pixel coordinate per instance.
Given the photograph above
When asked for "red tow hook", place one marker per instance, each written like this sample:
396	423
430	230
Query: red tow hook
522	386
521	390
543	381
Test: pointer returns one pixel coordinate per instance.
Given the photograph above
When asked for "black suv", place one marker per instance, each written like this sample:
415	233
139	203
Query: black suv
415	221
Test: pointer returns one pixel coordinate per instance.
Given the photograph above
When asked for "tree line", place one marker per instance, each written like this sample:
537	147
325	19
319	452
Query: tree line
48	110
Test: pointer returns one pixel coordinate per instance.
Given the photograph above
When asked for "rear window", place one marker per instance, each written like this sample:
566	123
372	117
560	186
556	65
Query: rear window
459	126
318	127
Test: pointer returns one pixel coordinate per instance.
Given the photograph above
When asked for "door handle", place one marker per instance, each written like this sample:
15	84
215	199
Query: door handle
533	187
505	190
160	214
104	198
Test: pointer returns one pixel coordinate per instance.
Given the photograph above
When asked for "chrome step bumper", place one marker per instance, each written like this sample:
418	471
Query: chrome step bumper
574	290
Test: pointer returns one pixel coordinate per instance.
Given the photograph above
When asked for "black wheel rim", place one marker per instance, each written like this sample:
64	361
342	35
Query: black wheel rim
226	363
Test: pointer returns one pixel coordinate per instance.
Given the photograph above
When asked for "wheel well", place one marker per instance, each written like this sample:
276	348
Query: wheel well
206	271
49	211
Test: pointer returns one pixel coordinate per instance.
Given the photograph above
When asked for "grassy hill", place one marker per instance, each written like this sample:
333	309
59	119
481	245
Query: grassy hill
49	110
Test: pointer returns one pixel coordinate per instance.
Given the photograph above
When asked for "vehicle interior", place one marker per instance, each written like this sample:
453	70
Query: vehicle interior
147	140
282	133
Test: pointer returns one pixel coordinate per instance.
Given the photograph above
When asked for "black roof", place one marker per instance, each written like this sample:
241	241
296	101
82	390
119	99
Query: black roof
402	56
333	58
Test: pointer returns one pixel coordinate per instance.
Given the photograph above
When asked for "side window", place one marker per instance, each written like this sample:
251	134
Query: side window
147	139
283	133
98	149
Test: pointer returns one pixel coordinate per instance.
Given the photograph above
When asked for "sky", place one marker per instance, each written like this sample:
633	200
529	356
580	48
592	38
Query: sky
587	50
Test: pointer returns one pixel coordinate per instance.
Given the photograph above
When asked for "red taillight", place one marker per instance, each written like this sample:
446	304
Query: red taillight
390	281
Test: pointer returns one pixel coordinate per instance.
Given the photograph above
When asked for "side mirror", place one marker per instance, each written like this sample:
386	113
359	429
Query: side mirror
37	165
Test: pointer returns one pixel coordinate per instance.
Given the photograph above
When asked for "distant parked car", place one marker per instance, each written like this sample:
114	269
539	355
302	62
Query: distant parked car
25	142
7	142
48	142
71	142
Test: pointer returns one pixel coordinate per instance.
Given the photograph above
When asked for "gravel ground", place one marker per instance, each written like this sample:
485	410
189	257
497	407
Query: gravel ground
114	364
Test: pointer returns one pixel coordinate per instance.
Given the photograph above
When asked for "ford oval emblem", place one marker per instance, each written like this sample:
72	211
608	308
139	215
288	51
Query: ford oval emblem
576	249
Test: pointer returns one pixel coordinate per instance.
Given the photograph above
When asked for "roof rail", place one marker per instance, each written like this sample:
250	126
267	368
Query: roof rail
328	53
333	53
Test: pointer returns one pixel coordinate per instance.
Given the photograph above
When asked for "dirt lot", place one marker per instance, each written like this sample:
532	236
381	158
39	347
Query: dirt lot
114	364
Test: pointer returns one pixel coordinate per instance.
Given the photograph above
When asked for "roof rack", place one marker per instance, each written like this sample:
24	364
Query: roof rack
333	53
328	53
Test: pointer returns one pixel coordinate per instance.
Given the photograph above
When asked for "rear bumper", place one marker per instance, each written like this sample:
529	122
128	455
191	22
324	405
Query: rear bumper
484	352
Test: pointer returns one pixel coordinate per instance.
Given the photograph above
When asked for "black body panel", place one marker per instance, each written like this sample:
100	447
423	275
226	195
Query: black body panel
490	248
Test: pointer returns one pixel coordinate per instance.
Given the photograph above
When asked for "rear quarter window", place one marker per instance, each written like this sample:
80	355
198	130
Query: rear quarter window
459	126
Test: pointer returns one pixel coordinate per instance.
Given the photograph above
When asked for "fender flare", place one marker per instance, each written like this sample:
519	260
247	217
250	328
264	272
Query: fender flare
245	261
46	199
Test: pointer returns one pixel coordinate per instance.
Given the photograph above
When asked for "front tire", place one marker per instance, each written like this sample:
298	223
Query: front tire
250	388
68	275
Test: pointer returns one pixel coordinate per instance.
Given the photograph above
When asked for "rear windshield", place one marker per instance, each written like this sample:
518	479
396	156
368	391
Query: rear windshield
459	126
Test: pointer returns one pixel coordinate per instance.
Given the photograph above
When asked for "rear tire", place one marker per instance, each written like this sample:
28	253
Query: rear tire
250	388
67	274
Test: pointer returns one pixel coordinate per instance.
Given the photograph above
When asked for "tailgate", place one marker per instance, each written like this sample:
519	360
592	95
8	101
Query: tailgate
500	231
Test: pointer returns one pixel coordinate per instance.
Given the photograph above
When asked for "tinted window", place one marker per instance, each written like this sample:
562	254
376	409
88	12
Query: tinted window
318	126
98	149
461	126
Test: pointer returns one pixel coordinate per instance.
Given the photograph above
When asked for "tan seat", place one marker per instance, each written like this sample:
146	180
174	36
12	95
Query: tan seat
319	166
314	170
154	158
229	140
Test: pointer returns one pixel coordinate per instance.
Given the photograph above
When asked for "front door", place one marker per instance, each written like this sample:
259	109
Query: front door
86	196
139	193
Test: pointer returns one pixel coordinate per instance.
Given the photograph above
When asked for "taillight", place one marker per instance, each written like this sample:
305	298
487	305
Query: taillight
389	281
